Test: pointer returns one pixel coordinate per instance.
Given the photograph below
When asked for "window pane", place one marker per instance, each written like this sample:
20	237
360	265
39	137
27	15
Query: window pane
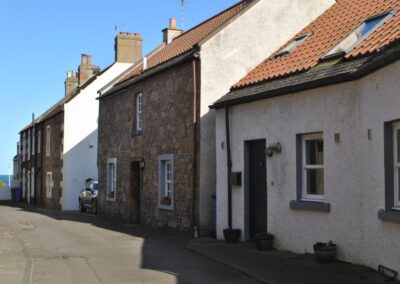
369	25
314	152
398	185
315	181
398	145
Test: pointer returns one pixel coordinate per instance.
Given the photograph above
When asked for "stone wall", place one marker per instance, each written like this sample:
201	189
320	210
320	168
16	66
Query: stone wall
167	129
52	163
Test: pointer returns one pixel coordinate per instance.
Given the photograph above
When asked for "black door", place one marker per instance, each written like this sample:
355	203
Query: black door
134	193
257	187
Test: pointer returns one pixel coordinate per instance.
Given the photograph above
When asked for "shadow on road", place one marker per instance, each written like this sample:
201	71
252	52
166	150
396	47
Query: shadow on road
162	250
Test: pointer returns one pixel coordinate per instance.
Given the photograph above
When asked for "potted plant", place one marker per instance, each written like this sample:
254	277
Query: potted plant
264	240
231	235
166	201
325	252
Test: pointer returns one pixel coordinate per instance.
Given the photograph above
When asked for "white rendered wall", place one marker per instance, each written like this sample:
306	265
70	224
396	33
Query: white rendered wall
228	56
354	168
80	137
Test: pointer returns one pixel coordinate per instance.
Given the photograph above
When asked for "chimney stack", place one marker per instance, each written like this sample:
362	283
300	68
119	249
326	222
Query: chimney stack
171	32
71	83
128	47
86	69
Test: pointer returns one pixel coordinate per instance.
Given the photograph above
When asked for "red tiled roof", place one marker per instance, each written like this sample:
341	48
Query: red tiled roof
327	31
191	38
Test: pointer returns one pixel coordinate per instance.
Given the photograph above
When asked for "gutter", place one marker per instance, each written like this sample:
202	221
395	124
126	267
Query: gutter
229	165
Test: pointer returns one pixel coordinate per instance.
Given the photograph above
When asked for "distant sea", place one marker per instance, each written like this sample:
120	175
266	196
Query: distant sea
4	178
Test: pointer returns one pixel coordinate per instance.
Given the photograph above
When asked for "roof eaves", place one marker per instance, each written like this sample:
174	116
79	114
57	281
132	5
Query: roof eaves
314	78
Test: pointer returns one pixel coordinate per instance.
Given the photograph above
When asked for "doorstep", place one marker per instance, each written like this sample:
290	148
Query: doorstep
283	267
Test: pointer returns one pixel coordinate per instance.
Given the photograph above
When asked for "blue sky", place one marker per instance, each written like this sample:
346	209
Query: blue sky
43	39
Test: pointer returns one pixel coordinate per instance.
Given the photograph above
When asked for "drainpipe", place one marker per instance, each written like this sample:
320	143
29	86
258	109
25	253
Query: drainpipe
194	168
229	166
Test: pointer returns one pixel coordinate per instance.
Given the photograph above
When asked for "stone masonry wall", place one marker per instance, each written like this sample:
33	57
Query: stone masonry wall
54	162
167	129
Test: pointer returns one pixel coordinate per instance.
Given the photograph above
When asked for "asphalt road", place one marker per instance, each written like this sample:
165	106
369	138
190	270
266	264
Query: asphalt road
53	247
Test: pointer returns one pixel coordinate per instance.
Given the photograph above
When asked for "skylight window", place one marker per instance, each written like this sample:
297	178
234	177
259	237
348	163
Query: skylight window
293	45
361	33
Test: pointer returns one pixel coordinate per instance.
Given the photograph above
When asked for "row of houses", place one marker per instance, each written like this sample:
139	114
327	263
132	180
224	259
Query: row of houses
279	116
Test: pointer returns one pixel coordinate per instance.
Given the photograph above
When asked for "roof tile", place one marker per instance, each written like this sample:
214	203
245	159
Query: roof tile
327	31
190	39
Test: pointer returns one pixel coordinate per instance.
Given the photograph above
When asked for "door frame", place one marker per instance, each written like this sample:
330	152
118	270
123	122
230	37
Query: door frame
132	160
246	183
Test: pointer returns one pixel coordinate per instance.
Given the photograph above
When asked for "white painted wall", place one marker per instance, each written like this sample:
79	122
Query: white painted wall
229	55
80	137
354	168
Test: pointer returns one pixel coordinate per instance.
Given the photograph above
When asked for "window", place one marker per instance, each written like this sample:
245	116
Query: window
23	183
313	166
28	149
39	141
23	147
396	143
111	178
299	40
33	141
48	139
49	185
139	105
166	182
362	32
33	182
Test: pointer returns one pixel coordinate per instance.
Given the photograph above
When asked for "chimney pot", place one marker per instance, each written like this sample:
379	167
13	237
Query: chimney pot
137	34
172	23
121	33
129	33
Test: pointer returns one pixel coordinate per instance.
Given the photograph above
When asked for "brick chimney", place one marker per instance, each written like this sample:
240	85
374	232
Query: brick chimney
128	47
171	32
71	83
86	69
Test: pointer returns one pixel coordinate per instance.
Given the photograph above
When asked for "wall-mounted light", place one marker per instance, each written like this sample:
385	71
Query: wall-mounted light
273	148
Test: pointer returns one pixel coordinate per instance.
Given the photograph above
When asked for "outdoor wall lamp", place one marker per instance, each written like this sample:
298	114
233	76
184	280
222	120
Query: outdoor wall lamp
273	148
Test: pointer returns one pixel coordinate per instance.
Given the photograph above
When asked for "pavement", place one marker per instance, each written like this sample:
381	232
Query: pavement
283	267
41	246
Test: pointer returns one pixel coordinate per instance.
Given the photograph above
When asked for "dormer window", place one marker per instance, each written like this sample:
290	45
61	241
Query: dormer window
362	32
295	43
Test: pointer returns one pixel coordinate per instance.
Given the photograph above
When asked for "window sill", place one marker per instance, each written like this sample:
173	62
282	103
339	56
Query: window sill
110	199
137	133
389	215
166	207
310	206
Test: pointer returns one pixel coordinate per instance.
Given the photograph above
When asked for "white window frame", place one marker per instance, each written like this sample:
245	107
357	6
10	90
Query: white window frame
166	166
48	140
139	112
305	167
49	185
111	181
396	163
39	141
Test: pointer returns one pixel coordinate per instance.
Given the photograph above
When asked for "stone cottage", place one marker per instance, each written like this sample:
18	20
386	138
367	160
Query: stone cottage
156	153
313	133
59	149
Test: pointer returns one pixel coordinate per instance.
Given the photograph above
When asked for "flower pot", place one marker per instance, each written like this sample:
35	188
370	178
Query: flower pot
325	252
265	243
231	235
166	201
